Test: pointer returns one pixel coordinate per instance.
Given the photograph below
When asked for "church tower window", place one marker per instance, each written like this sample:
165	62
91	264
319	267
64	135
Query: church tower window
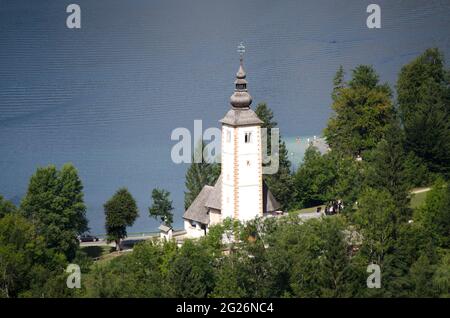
248	137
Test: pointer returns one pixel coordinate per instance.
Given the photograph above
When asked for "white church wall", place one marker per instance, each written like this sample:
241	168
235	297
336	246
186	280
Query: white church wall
228	142
193	229
214	217
249	177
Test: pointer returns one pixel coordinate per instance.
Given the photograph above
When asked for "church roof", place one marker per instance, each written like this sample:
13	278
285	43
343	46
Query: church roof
211	198
165	228
215	198
198	210
270	204
241	117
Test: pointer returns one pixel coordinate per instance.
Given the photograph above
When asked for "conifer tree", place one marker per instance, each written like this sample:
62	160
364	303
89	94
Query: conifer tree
281	182
363	108
199	174
162	206
423	89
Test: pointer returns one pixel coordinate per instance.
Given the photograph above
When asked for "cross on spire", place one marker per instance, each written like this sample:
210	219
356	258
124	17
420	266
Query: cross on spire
241	50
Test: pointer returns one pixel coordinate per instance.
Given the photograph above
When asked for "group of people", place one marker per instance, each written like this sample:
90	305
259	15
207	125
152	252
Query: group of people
333	207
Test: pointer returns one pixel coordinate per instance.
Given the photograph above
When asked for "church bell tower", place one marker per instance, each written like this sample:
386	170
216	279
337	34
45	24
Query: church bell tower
242	187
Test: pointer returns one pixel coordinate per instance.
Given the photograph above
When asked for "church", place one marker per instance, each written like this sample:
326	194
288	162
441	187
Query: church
240	192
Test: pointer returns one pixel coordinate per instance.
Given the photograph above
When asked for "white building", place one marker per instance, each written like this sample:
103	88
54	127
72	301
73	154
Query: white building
239	192
165	232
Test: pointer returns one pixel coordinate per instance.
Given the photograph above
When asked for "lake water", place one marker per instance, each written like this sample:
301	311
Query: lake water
107	96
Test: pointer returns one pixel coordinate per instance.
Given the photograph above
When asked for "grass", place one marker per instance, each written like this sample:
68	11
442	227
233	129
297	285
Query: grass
418	199
97	251
312	209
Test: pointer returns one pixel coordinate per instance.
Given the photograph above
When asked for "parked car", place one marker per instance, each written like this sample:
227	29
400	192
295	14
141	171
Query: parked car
87	238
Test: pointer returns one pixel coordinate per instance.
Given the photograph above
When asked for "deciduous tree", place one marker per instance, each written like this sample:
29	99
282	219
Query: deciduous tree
120	211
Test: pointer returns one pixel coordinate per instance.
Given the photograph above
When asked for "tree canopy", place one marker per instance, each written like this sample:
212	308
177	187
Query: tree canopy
54	202
162	206
423	89
362	109
120	211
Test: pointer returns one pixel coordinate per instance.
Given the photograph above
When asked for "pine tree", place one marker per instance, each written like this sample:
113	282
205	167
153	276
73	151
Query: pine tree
387	169
338	82
6	207
280	183
162	206
198	175
423	89
363	108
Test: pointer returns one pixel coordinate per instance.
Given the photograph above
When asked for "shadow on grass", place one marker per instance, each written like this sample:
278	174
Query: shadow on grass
97	251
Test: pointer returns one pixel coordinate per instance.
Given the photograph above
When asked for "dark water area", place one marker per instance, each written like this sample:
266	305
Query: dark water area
106	97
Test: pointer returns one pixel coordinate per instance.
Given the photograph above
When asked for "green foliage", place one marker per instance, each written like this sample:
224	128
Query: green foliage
441	277
322	265
199	174
162	206
6	207
377	222
120	211
349	179
27	266
54	202
362	109
423	89
281	182
314	178
387	169
421	274
434	215
416	171
190	273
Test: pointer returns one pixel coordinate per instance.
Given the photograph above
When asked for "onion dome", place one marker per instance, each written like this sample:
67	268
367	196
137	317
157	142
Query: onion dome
241	98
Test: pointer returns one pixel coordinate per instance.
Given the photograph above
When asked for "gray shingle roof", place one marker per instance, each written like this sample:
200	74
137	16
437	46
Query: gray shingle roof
164	228
270	204
198	210
215	198
241	117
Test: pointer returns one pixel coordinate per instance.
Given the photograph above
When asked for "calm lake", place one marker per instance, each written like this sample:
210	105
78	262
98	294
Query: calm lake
106	97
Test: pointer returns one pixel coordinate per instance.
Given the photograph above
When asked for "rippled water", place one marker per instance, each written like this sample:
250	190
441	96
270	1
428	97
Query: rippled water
107	97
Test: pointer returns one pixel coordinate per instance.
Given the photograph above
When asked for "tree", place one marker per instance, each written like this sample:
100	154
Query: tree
423	90
314	179
228	284
387	169
417	172
434	215
26	264
375	218
120	211
162	206
363	108
421	274
190	273
321	262
279	183
6	207
54	203
349	179
338	82
376	221
199	174
441	277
